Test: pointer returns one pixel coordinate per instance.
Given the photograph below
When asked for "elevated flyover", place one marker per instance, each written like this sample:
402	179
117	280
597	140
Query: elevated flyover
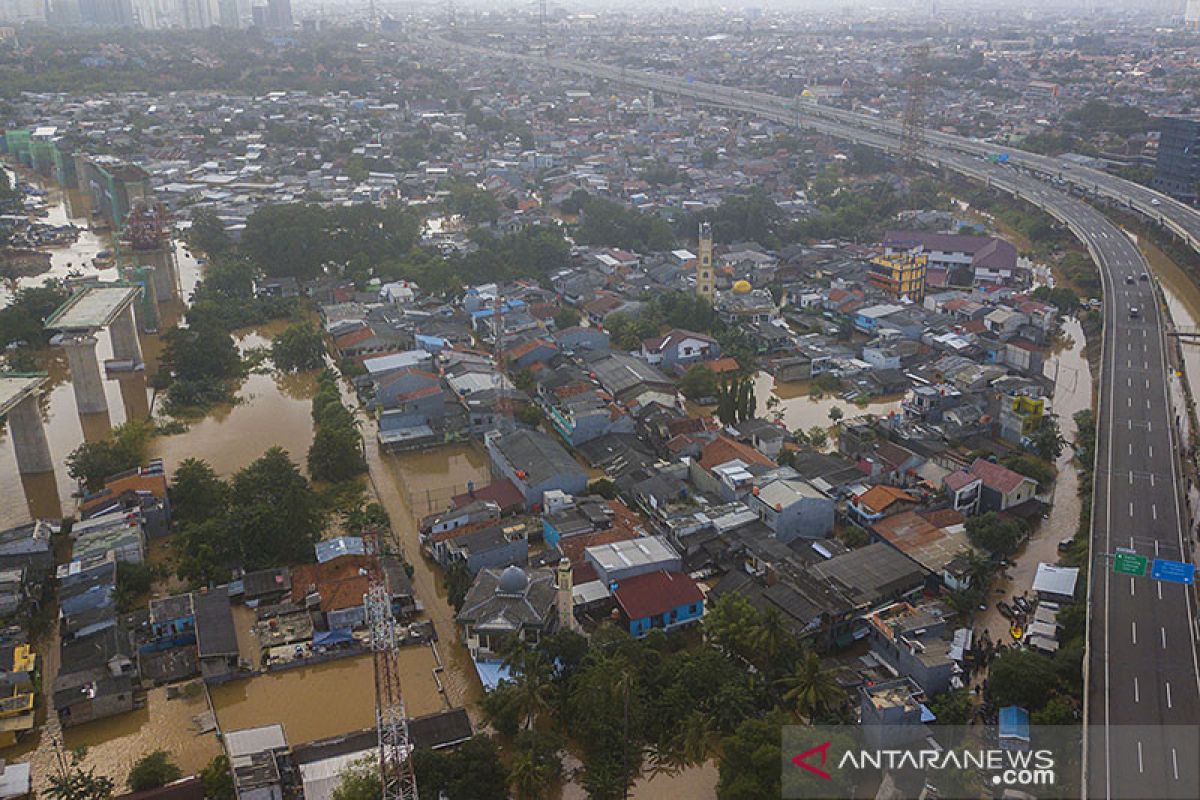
106	305
1143	694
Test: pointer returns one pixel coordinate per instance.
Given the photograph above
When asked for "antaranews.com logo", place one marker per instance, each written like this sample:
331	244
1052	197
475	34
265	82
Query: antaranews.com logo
945	761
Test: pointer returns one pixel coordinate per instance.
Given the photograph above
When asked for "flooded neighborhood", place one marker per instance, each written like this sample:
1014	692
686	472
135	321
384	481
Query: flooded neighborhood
554	404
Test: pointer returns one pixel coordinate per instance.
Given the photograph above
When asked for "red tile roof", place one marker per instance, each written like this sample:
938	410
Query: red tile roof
996	476
723	449
656	593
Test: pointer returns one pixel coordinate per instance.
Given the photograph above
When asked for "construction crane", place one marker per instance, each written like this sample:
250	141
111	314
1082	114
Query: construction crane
396	773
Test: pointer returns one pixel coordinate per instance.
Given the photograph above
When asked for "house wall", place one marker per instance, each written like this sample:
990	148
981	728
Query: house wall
680	615
514	552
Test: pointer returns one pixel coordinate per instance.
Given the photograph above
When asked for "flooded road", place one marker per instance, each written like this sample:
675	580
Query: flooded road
1072	393
410	486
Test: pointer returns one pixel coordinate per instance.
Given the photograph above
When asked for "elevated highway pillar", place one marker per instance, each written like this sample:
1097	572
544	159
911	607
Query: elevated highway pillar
29	437
85	374
123	333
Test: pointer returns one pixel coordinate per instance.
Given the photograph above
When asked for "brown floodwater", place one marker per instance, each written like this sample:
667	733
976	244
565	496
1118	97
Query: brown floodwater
324	700
1072	393
273	410
410	486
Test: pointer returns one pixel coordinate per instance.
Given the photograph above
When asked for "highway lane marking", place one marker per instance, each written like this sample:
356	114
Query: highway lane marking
1154	511
1133	630
1159	590
1131	508
1175	763
1137	695
1156	548
1129	403
1151	447
1168	685
1164	635
1151	479
1131	443
1141	765
1132	588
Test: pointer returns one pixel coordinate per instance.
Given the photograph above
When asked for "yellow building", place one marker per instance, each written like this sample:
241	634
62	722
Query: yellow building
706	281
900	274
16	704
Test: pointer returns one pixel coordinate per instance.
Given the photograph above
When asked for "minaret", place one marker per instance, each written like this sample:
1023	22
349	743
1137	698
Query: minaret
566	597
705	281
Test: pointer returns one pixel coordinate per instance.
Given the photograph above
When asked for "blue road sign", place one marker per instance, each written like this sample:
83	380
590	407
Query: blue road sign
1173	571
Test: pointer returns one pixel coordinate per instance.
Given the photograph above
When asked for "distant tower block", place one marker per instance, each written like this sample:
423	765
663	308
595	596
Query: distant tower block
705	278
1191	15
19	406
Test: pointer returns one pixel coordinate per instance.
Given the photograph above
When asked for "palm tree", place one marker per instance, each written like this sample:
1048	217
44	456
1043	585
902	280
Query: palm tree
531	680
810	687
530	778
770	637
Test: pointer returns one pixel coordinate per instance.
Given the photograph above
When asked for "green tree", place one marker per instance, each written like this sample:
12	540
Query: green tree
603	487
530	674
1047	441
359	781
299	347
1000	536
457	581
1057	711
152	771
196	492
810	688
751	761
199	362
536	765
279	517
567	317
471	771
952	708
125	448
217	780
817	437
336	454
70	781
207	234
835	415
1021	678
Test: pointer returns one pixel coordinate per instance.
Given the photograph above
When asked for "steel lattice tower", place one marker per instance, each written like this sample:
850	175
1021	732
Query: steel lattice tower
395	750
912	140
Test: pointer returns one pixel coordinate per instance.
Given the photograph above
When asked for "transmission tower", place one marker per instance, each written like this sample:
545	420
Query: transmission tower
913	137
395	750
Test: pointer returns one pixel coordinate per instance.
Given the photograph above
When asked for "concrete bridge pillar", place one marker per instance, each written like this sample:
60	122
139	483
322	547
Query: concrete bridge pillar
123	333
85	374
29	437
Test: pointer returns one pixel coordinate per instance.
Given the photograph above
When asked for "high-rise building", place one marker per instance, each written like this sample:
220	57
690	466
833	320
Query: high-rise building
705	276
1177	171
106	13
18	11
1191	15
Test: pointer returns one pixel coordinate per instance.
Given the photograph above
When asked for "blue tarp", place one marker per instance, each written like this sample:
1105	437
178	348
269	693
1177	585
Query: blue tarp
491	673
1014	724
332	637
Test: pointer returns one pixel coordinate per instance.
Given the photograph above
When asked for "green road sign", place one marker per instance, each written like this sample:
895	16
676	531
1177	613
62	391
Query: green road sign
1130	564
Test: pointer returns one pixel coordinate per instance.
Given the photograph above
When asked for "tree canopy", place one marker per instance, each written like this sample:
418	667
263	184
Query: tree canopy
271	517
